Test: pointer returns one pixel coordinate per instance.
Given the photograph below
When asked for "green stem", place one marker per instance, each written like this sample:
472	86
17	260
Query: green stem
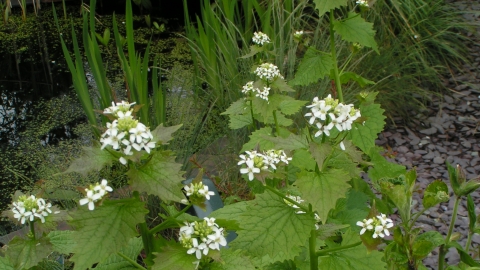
443	248
326	251
416	216
277	129
287	199
132	262
251	111
469	241
32	229
312	250
334	58
160	226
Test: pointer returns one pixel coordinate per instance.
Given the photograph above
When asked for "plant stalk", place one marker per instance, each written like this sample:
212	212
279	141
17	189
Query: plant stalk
306	210
312	250
277	128
251	112
443	248
338	84
326	251
160	226
132	262
469	241
32	229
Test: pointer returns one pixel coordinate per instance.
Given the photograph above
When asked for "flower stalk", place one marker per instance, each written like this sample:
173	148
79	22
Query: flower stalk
333	51
443	248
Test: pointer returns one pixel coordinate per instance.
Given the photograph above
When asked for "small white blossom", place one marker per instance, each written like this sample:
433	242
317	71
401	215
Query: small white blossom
200	237
268	72
260	38
27	208
379	225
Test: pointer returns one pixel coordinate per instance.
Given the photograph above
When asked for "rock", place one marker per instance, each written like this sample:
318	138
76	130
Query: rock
429	131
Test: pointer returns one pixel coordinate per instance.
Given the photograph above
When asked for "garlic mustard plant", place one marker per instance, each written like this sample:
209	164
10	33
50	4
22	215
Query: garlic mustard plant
95	193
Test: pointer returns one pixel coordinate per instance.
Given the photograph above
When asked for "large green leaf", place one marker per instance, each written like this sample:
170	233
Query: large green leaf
303	160
26	253
320	152
174	256
292	142
62	241
383	168
105	230
289	107
325	5
355	258
363	135
323	189
116	262
272	227
92	159
231	211
238	121
258	139
161	176
314	66
5	264
162	135
356	29
233	260
426	243
345	77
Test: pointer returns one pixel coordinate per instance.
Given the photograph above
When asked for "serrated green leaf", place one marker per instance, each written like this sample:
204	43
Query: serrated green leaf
92	159
257	139
322	190
289	107
26	253
396	256
432	236
358	258
435	193
105	230
174	256
382	168
49	265
320	152
345	77
281	85
233	260
254	49
356	29
230	212
364	135
116	262
422	248
162	135
239	121
303	160
292	142
161	176
325	5
5	264
314	66
339	159
271	227
284	265
237	107
326	230
265	109
62	241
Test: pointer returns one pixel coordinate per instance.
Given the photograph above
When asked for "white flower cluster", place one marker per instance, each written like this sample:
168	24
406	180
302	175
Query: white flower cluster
201	236
379	225
95	193
256	162
329	113
260	38
29	208
198	192
298	34
263	94
363	3
126	134
268	72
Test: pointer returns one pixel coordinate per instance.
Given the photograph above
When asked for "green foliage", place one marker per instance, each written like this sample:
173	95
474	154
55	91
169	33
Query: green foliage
271	227
327	5
26	253
104	231
114	261
363	135
323	189
5	264
356	29
435	193
92	159
160	176
315	65
173	256
354	258
62	241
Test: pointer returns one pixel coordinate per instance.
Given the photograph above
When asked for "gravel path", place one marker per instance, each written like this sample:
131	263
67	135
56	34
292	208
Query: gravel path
449	130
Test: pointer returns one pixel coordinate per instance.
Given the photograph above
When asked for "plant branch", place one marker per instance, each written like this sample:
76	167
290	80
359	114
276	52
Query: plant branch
277	129
161	226
443	248
132	262
312	245
32	229
287	199
326	251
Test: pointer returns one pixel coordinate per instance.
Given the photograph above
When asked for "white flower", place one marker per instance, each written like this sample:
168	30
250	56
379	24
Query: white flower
102	188
122	160
268	72
20	214
250	170
260	38
204	191
366	225
90	199
342	146
363	3
248	87
195	249
210	221
217	239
